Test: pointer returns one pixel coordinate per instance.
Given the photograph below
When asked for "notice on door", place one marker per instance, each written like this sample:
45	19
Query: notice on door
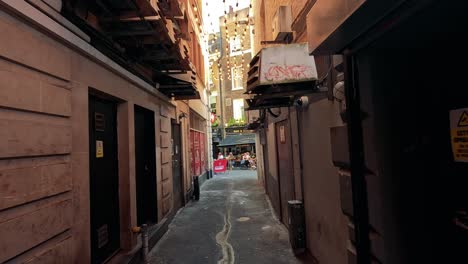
459	134
99	149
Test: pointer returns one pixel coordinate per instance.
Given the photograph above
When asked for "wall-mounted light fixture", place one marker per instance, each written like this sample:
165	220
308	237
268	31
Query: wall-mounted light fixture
182	115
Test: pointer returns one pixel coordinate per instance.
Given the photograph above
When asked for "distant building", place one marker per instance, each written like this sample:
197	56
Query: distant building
230	53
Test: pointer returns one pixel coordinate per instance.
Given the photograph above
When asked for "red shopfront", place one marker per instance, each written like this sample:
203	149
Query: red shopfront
197	149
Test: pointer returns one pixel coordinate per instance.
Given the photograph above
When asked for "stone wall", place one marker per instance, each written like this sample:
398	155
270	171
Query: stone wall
316	179
44	145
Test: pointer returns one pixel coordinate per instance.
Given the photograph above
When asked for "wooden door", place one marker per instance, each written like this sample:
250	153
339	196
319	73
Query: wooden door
177	166
285	167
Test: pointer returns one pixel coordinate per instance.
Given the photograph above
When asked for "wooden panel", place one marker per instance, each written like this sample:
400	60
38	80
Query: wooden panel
28	230
59	253
164	111
166	171
285	167
30	137
165	140
165	124
167	187
23	92
26	180
165	155
19	91
167	204
31	48
55	100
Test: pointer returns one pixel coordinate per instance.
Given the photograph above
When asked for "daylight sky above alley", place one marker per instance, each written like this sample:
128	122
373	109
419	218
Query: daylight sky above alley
216	9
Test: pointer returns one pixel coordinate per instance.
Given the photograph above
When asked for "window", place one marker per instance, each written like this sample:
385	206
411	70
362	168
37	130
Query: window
238	109
236	48
236	75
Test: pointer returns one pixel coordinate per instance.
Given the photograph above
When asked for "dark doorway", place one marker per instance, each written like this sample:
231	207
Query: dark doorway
285	169
177	166
408	98
104	179
145	166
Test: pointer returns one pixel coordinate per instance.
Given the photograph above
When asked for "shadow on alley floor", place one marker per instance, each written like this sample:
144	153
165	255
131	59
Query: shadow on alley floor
232	223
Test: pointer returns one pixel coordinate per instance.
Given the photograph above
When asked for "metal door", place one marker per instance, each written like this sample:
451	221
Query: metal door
177	165
104	181
285	169
145	166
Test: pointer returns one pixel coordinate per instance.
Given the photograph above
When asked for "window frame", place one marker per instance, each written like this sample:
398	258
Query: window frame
241	108
233	80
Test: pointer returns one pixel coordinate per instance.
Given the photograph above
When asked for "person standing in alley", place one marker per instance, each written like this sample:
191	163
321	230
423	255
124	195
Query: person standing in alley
231	159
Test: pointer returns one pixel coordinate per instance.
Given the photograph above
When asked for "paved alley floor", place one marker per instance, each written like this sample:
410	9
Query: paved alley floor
231	223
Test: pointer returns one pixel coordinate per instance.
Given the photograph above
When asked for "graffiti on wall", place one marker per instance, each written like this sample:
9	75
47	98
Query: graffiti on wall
289	72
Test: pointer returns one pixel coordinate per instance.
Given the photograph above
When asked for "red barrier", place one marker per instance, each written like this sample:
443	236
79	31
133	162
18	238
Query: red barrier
220	165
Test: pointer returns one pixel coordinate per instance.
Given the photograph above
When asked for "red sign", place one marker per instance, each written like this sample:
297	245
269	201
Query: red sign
196	150
202	152
192	152
220	165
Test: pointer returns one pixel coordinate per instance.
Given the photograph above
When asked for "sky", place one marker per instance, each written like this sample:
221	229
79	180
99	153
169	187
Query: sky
215	9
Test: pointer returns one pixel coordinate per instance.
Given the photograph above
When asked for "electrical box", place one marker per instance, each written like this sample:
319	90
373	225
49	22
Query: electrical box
282	64
297	236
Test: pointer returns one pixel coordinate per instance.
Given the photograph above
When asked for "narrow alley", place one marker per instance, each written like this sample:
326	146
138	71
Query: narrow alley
231	223
233	131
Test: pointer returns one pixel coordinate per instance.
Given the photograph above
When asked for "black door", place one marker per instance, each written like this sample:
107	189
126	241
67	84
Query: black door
176	166
104	180
145	163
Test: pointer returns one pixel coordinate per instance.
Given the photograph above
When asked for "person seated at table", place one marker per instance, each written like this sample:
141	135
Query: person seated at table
253	163
245	161
220	155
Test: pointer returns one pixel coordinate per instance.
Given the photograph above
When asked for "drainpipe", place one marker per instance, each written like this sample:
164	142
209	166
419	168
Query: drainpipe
356	155
144	238
143	230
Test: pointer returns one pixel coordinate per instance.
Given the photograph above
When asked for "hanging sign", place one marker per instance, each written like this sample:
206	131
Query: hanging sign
459	134
99	149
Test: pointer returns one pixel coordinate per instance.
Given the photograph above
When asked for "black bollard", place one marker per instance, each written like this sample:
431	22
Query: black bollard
196	188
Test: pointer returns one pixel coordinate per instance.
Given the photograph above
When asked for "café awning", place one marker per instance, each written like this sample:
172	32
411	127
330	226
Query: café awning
241	139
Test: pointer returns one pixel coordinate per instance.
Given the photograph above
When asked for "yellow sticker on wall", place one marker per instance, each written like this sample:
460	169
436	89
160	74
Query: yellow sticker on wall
459	134
99	149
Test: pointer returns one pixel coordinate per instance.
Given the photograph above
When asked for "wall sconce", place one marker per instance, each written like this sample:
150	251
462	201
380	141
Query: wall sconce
182	115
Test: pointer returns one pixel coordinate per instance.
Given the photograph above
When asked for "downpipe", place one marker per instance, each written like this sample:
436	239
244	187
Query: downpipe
143	230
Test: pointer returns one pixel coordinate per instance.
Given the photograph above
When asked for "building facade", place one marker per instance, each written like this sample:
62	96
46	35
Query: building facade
376	152
231	51
295	141
97	108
